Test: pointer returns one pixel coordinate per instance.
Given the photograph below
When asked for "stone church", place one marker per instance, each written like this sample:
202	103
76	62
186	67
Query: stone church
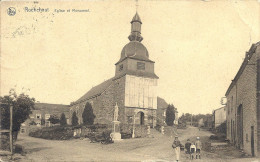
133	88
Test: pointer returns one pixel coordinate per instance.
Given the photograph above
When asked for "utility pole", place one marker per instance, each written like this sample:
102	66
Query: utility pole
191	120
11	129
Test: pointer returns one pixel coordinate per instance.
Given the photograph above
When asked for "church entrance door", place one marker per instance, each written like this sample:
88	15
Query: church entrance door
141	118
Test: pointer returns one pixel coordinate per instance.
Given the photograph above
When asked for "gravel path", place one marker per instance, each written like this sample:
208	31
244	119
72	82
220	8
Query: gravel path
156	148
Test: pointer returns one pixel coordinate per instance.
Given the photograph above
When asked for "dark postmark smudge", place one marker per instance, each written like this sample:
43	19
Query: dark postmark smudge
11	11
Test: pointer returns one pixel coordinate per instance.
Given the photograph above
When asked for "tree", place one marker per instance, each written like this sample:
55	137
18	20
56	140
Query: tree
185	118
170	115
63	120
74	119
22	108
54	119
42	121
88	115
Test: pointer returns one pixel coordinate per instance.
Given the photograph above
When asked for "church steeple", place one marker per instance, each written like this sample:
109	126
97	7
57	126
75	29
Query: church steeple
136	29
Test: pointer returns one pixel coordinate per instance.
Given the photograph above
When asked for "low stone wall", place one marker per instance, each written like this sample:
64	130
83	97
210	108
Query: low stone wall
84	131
140	130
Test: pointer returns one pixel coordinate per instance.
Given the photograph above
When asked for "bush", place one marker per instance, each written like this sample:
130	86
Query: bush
88	115
53	133
218	137
126	135
75	119
99	135
222	128
63	120
170	115
54	119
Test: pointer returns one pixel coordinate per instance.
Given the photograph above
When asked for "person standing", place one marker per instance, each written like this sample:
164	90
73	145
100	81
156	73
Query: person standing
198	147
187	146
176	146
192	150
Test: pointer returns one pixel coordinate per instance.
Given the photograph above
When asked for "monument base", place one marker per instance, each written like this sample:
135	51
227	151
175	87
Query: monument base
116	136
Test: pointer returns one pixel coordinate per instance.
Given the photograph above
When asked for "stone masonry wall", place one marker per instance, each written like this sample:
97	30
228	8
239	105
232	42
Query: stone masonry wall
258	98
103	105
243	93
119	97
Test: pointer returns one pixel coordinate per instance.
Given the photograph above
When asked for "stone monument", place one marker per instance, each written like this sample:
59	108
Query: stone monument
116	135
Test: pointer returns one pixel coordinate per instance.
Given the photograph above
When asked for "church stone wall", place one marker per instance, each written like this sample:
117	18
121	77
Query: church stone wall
103	107
119	97
149	116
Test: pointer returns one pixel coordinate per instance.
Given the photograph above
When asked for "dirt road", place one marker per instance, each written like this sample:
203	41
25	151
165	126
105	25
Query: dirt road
156	148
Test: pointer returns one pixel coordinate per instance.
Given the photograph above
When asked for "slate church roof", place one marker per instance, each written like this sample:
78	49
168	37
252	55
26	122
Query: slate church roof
96	91
135	50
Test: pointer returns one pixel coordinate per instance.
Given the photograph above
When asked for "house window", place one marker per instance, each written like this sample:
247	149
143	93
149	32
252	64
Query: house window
47	116
140	66
22	130
121	67
38	116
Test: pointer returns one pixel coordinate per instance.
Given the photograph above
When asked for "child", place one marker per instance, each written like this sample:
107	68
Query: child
198	147
192	150
187	146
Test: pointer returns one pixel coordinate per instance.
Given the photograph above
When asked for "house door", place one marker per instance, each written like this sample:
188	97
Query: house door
252	141
240	126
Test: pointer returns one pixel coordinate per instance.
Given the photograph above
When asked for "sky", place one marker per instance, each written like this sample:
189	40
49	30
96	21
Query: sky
198	47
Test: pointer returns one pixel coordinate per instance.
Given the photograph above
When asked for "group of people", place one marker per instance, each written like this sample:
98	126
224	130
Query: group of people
192	148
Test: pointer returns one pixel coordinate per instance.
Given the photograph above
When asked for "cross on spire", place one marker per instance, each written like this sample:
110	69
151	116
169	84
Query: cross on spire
136	5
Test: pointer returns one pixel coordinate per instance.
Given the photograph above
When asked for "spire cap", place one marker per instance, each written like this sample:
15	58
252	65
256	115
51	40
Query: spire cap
136	18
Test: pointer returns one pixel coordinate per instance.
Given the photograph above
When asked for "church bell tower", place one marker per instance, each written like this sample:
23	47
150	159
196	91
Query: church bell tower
138	70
